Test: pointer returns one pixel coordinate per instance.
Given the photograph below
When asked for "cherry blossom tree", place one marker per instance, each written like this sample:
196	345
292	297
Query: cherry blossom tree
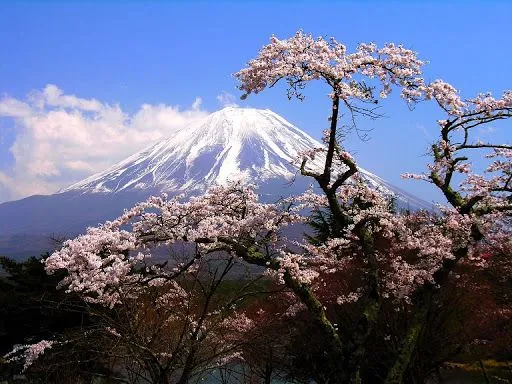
402	256
168	332
392	258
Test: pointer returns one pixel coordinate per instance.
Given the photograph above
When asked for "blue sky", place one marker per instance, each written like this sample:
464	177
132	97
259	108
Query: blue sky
153	62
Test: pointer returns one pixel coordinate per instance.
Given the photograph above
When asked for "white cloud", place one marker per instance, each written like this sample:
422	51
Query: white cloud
54	96
62	138
14	108
226	99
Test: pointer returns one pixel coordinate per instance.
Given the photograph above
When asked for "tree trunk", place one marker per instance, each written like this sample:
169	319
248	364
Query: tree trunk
396	373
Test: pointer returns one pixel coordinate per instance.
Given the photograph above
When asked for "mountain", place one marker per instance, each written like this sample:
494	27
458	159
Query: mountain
258	143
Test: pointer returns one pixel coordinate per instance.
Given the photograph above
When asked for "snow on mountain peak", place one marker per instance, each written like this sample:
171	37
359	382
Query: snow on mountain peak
234	140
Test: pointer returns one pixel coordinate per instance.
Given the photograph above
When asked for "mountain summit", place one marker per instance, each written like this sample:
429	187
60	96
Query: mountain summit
256	142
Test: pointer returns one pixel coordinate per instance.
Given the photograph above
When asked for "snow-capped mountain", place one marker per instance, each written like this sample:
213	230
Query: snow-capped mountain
258	143
255	142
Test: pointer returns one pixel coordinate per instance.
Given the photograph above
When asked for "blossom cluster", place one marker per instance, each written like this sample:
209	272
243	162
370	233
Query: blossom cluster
303	58
29	353
456	148
414	246
106	263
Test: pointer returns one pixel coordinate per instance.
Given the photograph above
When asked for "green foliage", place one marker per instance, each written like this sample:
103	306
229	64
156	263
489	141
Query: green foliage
322	223
27	276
